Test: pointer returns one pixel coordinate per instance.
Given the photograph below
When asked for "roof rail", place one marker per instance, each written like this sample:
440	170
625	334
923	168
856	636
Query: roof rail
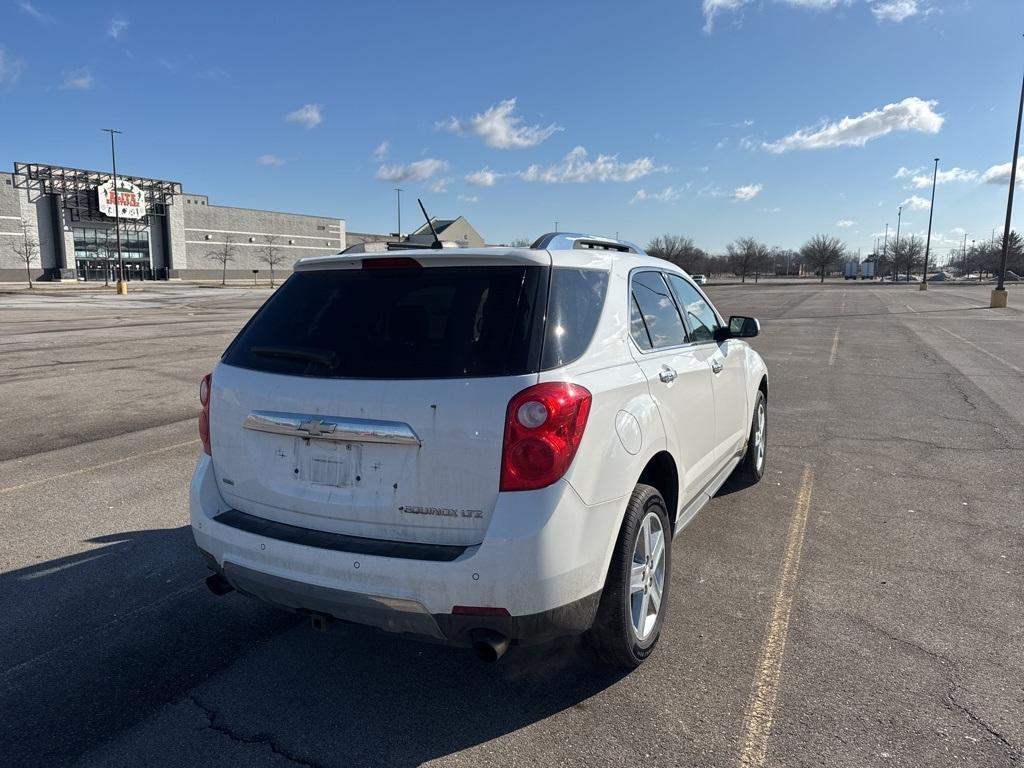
567	241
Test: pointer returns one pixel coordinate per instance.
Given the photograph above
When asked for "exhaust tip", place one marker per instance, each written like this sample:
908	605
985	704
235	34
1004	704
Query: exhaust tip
217	584
489	645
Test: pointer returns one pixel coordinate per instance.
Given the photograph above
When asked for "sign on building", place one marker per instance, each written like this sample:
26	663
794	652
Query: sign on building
128	201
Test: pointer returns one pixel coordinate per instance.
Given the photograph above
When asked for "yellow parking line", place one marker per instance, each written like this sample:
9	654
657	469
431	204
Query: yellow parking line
757	725
835	347
104	465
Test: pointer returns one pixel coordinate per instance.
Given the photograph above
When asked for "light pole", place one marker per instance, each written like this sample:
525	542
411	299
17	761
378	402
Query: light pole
122	286
999	295
556	226
896	248
928	240
885	246
398	192
963	257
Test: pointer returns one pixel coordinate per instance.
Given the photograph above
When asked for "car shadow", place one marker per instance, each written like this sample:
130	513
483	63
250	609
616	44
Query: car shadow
96	642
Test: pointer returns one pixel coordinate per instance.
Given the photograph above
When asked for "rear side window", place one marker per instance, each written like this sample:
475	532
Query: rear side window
657	323
418	323
574	306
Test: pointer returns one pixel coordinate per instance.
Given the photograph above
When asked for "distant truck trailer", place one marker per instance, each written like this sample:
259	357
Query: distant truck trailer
865	270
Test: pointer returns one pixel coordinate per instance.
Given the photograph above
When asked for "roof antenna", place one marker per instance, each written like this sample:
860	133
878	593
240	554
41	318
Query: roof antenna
436	243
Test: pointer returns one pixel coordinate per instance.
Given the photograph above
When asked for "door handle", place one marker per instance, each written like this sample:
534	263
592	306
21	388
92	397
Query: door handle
716	366
667	374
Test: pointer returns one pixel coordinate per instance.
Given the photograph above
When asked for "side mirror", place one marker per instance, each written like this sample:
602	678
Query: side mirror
740	327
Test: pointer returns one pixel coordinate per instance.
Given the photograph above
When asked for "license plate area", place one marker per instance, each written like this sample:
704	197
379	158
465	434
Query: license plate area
329	463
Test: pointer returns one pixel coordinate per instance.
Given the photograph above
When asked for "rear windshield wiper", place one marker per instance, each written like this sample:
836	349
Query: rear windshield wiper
327	359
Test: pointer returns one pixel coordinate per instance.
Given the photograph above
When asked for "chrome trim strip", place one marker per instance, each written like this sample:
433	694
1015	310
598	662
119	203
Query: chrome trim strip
340	428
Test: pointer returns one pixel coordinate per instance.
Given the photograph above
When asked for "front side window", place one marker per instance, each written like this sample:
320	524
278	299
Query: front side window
657	311
700	315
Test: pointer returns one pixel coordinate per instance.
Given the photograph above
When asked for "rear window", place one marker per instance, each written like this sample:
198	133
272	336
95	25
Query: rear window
419	323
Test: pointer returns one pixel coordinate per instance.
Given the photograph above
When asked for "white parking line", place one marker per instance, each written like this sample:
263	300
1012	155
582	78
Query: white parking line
104	465
757	725
835	347
983	350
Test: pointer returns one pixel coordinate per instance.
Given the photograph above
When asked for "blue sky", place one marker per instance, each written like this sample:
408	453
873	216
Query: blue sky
776	119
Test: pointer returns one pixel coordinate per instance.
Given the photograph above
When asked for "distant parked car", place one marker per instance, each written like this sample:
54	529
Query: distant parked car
702	279
1011	276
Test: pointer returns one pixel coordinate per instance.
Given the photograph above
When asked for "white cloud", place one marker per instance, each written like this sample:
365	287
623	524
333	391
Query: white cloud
439	186
845	223
78	80
958	231
421	170
500	127
116	28
667	195
469	199
1000	174
710	190
747	192
575	167
273	161
916	203
309	115
895	10
923	181
714	7
34	12
911	114
482	178
10	68
904	172
382	149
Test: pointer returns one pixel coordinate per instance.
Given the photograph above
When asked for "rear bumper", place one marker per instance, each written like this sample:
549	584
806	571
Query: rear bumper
544	560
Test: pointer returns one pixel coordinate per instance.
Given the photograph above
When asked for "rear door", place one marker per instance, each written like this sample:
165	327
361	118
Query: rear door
678	376
370	399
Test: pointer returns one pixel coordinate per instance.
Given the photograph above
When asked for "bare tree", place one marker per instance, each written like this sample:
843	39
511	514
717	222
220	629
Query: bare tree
679	250
908	254
520	242
27	250
747	255
224	254
822	252
271	255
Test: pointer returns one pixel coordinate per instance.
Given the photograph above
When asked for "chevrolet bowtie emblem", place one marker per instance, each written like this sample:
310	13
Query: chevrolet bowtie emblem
317	428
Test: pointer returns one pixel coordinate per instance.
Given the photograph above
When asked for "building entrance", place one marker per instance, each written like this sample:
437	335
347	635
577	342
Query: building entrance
96	254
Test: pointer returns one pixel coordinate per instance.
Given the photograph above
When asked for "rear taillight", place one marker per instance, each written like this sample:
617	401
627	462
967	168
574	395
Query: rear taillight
543	428
204	415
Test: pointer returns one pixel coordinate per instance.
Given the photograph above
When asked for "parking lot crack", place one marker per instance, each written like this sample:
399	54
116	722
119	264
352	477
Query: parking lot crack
257	738
1013	753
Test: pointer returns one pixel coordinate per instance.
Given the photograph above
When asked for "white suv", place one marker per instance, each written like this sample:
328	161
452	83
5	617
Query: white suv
478	446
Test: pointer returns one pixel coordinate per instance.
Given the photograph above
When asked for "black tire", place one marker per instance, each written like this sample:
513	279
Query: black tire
613	636
751	468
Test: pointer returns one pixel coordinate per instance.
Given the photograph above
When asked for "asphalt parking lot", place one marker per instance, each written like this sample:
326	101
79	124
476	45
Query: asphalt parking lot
862	606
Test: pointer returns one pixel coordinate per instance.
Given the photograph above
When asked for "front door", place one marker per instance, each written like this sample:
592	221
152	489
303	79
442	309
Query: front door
727	363
679	379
